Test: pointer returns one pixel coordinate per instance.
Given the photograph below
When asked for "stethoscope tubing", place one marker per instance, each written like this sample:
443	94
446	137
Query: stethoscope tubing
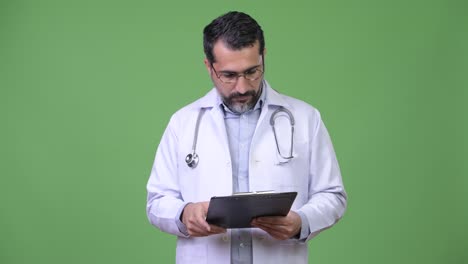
195	138
192	158
292	122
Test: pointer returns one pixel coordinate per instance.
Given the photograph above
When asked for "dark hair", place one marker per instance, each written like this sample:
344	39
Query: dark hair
236	29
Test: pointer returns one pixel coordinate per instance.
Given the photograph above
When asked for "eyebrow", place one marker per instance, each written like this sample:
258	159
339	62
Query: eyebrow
248	69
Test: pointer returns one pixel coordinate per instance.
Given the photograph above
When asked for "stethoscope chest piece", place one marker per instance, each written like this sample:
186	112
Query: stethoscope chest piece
192	160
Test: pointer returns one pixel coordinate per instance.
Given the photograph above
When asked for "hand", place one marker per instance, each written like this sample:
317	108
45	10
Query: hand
193	217
279	227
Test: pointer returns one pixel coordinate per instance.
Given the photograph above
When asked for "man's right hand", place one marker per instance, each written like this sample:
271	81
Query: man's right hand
194	219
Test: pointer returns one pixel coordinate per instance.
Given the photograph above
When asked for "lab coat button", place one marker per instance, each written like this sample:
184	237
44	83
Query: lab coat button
225	238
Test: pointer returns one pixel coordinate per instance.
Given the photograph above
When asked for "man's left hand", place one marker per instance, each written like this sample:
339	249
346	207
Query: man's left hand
279	227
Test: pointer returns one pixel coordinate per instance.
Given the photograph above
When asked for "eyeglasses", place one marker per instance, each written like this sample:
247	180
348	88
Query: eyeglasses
252	74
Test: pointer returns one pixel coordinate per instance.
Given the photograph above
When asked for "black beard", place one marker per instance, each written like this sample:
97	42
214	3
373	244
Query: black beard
240	109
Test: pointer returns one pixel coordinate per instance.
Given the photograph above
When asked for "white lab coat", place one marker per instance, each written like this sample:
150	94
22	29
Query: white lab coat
313	173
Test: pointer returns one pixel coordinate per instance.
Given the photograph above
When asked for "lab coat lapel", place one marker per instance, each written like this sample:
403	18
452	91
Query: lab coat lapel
215	120
211	100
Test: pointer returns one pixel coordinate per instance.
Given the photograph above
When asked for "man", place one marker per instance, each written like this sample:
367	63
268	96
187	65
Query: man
243	136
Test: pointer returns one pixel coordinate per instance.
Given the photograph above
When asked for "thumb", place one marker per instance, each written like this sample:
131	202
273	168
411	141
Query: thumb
205	206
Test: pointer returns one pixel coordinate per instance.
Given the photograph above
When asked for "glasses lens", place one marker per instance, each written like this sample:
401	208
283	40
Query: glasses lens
254	75
228	77
231	77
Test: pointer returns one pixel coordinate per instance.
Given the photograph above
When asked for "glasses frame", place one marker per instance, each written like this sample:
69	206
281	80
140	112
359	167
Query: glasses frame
238	75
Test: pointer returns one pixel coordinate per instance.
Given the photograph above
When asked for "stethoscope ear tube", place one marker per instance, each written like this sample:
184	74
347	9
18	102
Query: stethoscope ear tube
281	109
192	158
291	121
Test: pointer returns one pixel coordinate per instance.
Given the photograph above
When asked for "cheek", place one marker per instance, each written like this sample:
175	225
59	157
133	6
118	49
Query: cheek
219	85
257	86
225	92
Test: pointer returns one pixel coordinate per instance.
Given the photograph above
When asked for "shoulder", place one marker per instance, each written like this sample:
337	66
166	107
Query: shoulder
190	111
297	106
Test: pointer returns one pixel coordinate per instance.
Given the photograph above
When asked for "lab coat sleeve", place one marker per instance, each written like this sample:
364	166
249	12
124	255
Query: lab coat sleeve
327	197
164	200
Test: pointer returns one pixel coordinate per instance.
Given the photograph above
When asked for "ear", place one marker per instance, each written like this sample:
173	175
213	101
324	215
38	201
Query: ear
207	65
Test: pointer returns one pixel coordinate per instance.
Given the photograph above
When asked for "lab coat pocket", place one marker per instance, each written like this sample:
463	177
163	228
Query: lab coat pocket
191	253
289	175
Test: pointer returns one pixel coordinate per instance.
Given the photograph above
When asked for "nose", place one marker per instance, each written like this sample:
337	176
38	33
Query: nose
242	85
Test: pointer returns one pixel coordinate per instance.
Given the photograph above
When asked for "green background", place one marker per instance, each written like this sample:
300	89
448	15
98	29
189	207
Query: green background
87	88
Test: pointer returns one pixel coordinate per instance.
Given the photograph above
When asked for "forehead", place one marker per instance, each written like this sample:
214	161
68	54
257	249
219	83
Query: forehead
227	59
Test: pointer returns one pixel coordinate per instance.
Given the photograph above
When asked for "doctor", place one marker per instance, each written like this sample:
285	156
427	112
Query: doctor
243	136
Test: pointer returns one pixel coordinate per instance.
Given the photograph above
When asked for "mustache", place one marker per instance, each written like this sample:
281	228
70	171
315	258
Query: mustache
236	94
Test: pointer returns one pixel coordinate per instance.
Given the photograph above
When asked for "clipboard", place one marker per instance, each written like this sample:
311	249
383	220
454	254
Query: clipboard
237	211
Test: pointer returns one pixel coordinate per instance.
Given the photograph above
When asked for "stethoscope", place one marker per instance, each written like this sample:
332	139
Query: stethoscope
192	158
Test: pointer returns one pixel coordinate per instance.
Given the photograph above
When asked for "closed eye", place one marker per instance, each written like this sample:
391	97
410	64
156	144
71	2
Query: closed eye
250	71
229	74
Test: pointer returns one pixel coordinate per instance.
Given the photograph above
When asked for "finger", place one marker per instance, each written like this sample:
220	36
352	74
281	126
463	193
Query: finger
270	224
274	232
197	231
204	225
198	234
272	220
205	206
204	229
268	228
198	225
278	231
217	229
279	235
274	228
199	220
